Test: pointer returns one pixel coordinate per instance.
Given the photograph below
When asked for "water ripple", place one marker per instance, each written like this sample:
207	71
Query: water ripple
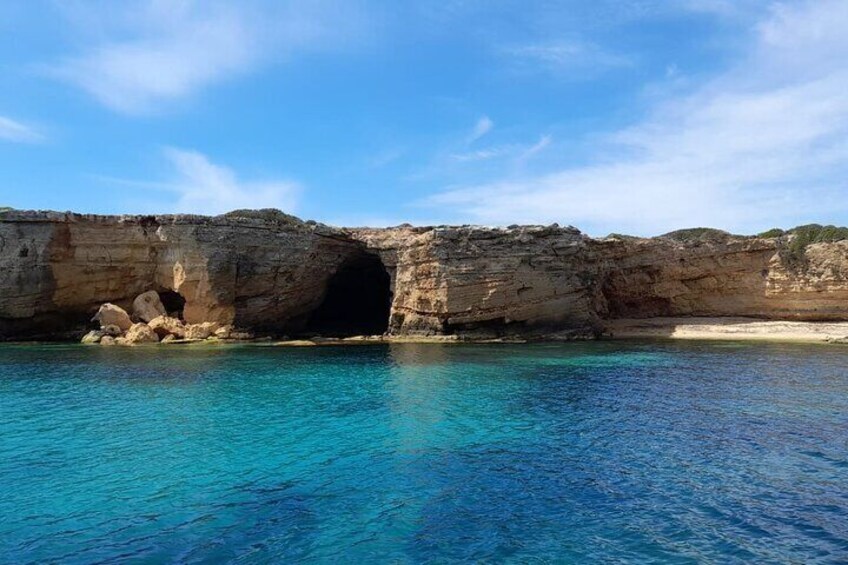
647	452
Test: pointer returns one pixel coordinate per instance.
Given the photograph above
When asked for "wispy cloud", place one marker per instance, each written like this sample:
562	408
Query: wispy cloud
564	57
385	157
483	126
153	52
763	143
517	152
536	148
198	186
11	130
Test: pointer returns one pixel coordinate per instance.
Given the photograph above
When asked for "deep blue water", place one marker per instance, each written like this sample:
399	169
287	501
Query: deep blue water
642	452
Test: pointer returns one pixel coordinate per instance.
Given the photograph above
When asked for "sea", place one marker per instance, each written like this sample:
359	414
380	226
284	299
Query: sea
613	452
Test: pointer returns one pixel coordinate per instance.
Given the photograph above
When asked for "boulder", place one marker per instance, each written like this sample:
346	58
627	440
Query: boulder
148	306
140	333
201	331
111	315
112	331
170	338
224	332
165	326
92	337
107	340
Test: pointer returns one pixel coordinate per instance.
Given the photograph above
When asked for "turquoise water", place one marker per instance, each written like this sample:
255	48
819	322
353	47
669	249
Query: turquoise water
644	452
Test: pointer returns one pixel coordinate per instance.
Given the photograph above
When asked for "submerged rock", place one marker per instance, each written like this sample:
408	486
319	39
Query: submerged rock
92	337
148	306
111	315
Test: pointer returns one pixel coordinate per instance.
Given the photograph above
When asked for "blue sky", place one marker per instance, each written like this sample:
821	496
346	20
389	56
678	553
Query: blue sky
636	116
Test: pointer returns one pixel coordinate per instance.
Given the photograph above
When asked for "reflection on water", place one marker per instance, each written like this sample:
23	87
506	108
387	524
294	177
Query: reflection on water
591	451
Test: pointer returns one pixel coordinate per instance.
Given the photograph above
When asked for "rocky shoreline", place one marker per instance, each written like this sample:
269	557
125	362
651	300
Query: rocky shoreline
152	323
267	273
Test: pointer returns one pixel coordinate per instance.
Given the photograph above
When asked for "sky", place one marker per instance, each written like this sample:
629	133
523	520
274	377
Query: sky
628	116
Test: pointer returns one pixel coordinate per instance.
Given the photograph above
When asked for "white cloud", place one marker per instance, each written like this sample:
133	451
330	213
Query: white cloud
536	148
153	51
564	58
206	188
483	126
11	130
482	154
764	143
519	153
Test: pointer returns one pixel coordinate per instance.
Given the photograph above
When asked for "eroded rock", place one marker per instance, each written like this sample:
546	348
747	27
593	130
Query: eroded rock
111	315
148	306
92	337
201	331
138	334
269	272
166	325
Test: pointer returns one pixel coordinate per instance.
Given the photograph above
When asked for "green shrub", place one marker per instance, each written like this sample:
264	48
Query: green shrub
773	232
267	214
794	252
698	235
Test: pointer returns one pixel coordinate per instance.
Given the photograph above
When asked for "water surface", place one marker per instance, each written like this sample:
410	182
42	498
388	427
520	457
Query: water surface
652	451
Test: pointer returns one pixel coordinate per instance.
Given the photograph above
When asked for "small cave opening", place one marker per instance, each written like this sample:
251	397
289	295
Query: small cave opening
357	302
173	302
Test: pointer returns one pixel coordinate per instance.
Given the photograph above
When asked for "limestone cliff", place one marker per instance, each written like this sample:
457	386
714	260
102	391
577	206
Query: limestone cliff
255	270
270	272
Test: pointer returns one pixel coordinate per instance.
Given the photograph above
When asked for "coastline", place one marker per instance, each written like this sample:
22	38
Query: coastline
739	329
675	328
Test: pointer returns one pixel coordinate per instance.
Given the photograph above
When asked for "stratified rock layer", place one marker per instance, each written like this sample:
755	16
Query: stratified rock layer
269	272
263	270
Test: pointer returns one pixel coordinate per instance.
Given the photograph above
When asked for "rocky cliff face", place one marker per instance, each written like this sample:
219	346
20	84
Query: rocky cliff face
482	281
257	271
271	272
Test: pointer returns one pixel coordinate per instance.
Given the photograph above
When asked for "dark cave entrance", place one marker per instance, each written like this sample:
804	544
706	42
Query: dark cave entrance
173	302
357	302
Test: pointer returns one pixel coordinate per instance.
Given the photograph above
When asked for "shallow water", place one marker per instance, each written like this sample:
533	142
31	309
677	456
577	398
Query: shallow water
683	452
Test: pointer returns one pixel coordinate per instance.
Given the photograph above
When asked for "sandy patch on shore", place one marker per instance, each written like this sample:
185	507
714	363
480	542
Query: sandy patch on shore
728	328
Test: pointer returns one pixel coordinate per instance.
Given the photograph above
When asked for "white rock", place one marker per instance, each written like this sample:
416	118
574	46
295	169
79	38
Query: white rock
201	331
140	333
165	326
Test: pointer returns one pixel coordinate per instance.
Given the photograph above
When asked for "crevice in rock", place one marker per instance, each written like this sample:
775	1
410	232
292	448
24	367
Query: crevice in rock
357	301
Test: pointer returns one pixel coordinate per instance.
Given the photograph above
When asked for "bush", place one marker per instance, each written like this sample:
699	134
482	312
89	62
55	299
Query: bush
267	214
794	253
698	235
774	232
